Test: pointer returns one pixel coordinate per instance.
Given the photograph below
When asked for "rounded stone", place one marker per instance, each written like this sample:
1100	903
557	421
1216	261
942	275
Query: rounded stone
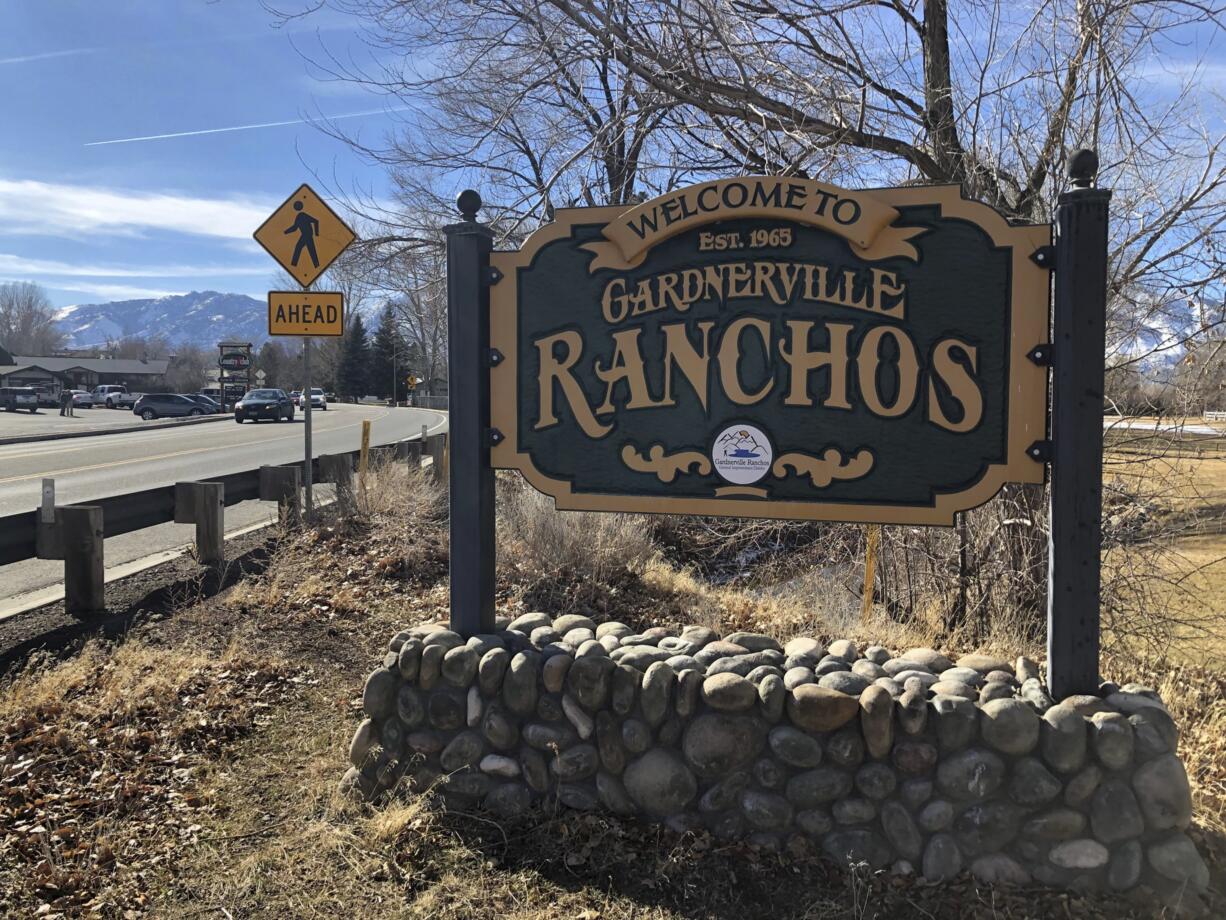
583	723
1124	871
877	654
1082	786
852	846
717	649
984	663
796	677
914	757
724	794
763	671
875	780
942	858
553	672
769	773
813	821
1037	696
877	720
819	786
1112	737
845	649
729	693
963	675
549	737
1079	854
937	815
408	659
641	657
624	689
689	690
1162	789
868	670
986	828
1033	783
444	637
804	646
1025	669
1001	677
819	709
1175	858
499	730
519	685
932	660
1010	726
995	691
1057	824
755	642
464	750
912	712
592	649
576	763
460	666
997	869
772	696
577	797
613	628
609	742
718	743
613	794
916	680
853	811
578	636
491	670
474	707
448	709
676	645
896	666
527	622
900	830
890	685
569	621
660	783
970	775
1156	733
410	706
379	694
829	665
508	799
915	792
656	691
636	736
956	720
365	741
744	664
794	747
1062	739
845	748
500	765
588	681
955	688
681	663
535	772
765	810
1115	814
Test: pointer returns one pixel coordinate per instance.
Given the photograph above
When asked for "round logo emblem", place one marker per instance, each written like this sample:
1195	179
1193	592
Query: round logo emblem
742	454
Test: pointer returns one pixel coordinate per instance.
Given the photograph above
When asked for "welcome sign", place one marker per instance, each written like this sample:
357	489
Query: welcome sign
774	347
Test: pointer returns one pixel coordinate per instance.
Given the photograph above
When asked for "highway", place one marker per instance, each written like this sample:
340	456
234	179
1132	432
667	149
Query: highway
94	467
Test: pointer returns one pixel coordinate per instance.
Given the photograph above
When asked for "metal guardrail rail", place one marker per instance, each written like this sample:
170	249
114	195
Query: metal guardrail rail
132	511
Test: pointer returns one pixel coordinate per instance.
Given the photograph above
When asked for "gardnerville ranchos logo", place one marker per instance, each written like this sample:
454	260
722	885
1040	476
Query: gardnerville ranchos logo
742	454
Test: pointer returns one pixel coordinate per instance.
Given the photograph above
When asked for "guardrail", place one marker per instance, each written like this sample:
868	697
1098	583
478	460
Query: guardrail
75	532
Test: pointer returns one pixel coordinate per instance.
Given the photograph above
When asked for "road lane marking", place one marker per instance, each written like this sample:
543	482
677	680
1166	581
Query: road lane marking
182	453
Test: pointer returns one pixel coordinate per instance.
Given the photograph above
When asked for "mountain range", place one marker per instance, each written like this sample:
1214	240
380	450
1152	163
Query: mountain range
200	317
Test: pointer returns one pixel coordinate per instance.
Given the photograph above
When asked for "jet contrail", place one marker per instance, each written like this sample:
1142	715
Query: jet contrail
266	124
46	55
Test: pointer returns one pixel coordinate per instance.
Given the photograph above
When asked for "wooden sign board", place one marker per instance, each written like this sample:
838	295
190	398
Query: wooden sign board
317	313
304	235
774	347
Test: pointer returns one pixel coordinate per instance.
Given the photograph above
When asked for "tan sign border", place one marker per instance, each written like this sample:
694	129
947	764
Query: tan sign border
1027	383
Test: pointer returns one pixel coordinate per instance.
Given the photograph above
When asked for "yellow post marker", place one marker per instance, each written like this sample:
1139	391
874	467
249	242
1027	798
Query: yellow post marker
364	456
872	538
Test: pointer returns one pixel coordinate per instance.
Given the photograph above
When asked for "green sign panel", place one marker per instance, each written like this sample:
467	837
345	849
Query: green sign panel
774	347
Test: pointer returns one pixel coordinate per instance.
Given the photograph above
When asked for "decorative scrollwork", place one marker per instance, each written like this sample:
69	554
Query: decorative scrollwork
665	466
823	470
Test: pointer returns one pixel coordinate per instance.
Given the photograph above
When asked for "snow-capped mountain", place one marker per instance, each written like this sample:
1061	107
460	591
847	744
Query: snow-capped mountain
201	318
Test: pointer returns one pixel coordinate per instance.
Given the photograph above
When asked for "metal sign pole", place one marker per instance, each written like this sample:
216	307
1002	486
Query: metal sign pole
471	476
1078	344
306	392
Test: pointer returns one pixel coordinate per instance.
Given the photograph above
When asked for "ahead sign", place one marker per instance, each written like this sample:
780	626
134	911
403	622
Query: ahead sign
306	313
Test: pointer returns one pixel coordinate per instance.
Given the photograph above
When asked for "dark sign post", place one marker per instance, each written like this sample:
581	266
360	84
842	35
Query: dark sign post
468	381
1079	341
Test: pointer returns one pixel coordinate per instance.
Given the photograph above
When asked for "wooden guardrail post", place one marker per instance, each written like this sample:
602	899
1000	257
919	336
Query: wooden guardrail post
281	484
203	504
81	538
434	447
338	470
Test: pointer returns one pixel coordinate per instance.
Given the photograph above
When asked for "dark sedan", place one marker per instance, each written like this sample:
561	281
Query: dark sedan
258	404
210	405
166	405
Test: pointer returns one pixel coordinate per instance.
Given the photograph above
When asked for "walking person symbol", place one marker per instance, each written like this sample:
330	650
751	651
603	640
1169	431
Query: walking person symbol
306	227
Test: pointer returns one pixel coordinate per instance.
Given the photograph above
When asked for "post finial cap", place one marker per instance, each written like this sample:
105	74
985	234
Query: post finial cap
1083	168
469	203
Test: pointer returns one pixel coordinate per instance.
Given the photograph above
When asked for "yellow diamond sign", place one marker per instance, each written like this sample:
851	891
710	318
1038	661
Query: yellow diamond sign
304	235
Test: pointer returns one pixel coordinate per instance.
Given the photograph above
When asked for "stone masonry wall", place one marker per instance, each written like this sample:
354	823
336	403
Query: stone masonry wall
908	761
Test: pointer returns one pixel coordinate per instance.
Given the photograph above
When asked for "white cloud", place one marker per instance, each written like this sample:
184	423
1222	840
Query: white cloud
99	293
49	268
80	211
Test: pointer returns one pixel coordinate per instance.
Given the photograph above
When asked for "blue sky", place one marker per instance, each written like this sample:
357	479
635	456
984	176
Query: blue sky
93	221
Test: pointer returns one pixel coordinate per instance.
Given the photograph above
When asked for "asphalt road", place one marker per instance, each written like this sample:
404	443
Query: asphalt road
94	467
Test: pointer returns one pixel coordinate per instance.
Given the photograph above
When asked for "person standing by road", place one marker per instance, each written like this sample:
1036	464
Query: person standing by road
66	402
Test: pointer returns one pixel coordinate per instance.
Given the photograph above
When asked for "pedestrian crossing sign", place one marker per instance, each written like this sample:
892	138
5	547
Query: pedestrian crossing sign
304	235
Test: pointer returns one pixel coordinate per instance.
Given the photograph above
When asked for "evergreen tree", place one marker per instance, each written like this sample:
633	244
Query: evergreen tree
389	364
352	377
270	360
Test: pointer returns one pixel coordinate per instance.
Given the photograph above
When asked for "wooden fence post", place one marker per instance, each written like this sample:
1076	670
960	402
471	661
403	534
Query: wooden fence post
81	538
281	484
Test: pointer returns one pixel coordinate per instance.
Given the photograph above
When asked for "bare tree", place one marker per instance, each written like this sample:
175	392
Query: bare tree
27	320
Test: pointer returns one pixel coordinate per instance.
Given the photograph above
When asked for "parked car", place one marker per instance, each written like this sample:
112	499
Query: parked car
296	397
82	399
166	405
48	397
258	404
14	398
211	406
115	397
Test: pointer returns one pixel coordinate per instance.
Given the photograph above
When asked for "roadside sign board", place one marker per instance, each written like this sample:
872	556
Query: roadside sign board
774	347
260	375
304	235
318	313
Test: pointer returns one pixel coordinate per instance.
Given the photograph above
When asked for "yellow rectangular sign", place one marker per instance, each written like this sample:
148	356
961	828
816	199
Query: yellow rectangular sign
306	313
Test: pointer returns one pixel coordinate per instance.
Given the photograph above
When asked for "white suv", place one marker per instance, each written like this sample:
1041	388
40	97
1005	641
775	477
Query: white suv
318	400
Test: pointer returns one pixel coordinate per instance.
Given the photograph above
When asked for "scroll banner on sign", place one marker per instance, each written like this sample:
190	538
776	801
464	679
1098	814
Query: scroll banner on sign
773	347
